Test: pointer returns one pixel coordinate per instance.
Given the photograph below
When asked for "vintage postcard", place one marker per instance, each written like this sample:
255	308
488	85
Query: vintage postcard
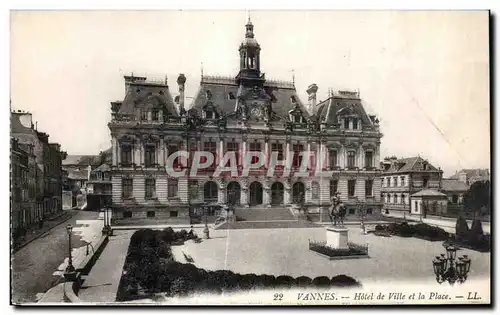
250	157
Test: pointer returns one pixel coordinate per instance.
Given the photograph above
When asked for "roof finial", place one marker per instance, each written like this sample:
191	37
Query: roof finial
248	16
293	76
202	69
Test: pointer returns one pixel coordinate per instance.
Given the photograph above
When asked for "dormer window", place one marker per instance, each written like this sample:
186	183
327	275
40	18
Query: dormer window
292	98
346	123
154	115
209	114
231	96
355	123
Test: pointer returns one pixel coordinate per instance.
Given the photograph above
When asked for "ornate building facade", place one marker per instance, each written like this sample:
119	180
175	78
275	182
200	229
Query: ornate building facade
241	114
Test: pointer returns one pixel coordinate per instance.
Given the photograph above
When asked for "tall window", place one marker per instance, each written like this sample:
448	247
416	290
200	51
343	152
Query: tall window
150	188
369	188
297	158
154	115
402	180
210	146
315	191
425	182
149	155
351	187
144	114
193	189
351	159
383	181
210	192
346	123
354	123
278	147
369	159
332	158
171	150
127	187
234	147
126	155
173	187
255	147
333	187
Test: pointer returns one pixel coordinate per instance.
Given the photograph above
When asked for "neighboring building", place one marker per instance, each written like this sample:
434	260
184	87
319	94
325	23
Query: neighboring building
429	201
403	178
245	113
23	188
48	158
99	188
454	189
79	170
470	176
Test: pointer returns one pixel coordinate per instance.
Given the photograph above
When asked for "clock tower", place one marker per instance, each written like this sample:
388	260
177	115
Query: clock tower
250	74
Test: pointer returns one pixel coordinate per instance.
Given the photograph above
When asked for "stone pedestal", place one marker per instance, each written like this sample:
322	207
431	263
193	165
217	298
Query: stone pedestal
231	217
337	237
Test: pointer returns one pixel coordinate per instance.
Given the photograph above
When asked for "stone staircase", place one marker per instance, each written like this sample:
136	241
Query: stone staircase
266	225
264	214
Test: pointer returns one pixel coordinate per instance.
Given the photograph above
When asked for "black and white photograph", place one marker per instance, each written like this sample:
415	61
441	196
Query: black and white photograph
250	157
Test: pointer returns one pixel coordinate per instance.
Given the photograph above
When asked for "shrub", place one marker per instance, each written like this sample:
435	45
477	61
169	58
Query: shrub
247	281
179	287
379	227
476	228
303	281
461	229
321	281
430	232
285	281
343	281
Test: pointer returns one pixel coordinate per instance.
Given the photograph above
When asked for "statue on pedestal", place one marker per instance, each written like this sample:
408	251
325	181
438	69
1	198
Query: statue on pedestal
337	211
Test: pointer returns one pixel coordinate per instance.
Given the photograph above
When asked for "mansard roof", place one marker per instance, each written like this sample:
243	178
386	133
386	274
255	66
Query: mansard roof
412	164
224	93
143	94
337	105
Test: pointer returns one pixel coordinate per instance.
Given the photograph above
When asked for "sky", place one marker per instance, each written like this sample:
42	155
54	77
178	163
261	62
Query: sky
424	74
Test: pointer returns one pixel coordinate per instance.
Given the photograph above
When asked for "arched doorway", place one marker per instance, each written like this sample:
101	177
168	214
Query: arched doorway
233	193
210	192
255	193
277	191
298	192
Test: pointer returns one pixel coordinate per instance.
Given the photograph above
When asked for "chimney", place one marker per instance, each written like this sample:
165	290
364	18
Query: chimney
181	81
311	91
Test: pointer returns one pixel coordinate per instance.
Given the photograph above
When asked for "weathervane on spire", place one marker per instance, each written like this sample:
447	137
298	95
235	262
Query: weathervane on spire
202	69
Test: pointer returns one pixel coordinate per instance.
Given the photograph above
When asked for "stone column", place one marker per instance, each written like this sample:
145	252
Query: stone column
341	155
361	152
244	195
377	156
243	151
266	152
115	151
288	156
161	153
266	194
160	115
308	153
220	154
221	197
287	194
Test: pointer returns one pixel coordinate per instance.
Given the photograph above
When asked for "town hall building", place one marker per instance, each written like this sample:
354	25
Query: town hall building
240	114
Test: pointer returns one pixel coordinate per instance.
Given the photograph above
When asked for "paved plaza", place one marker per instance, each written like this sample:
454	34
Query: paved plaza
286	252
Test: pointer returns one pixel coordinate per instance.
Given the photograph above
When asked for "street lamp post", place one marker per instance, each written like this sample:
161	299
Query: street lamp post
447	269
206	233
70	272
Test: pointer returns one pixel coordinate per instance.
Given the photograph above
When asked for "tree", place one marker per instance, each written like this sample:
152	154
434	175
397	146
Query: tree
478	198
